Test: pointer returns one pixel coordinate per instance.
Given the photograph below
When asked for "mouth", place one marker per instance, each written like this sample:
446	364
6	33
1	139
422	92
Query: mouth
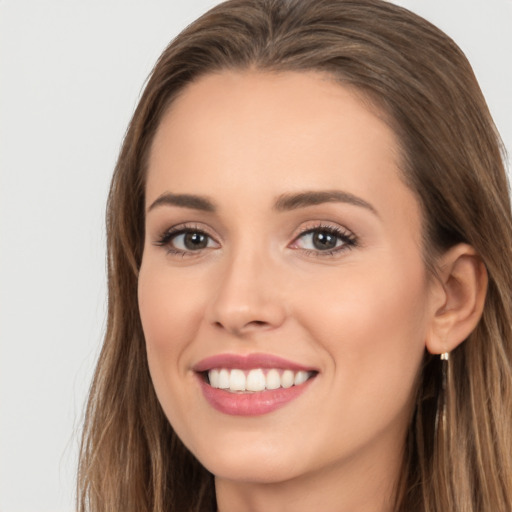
254	384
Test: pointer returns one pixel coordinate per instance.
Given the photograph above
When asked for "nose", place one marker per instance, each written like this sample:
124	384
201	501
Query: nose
247	297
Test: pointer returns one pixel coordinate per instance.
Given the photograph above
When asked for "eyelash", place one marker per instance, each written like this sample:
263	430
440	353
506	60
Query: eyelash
348	239
182	229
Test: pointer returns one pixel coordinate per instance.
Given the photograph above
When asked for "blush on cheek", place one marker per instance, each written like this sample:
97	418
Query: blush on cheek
373	321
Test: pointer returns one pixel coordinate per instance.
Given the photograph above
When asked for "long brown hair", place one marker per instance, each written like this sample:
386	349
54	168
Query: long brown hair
457	453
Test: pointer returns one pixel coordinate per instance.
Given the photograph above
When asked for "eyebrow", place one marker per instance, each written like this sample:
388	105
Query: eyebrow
184	201
287	202
284	202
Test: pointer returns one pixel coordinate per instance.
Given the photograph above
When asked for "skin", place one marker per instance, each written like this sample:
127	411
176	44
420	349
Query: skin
361	316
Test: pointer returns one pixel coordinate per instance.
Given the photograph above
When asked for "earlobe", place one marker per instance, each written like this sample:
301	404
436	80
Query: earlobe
463	286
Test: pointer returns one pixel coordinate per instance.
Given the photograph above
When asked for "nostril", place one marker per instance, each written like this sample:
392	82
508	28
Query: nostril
256	325
253	324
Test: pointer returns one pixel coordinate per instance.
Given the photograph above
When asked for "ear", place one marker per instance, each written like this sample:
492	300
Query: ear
458	298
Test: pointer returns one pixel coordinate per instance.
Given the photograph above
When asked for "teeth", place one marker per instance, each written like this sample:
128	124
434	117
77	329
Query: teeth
214	378
223	379
273	380
287	379
237	380
255	380
300	378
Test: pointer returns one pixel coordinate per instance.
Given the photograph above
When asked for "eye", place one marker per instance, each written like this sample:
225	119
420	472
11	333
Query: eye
324	239
183	240
191	241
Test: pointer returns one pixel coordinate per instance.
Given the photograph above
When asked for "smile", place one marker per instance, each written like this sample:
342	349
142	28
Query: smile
251	385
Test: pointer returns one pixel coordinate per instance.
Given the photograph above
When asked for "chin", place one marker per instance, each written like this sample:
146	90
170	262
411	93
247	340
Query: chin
258	472
253	461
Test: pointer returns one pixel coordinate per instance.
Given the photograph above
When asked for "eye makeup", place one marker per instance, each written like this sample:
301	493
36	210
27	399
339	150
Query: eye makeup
186	240
324	240
316	239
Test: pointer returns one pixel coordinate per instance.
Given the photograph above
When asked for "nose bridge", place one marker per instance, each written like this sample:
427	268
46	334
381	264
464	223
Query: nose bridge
247	296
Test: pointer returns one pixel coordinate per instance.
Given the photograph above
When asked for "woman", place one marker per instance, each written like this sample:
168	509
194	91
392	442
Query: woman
309	239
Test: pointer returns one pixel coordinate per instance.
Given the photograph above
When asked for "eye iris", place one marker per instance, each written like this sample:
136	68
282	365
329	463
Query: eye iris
323	240
195	241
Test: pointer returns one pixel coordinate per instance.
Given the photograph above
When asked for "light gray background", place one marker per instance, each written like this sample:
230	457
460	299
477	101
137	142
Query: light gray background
70	75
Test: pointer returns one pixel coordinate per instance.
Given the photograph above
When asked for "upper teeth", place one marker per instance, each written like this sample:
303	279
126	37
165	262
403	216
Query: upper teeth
255	380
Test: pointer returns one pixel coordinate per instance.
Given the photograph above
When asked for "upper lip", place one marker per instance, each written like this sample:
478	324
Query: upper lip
248	362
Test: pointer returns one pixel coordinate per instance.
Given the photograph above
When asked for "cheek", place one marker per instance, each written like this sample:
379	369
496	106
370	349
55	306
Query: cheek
170	308
171	312
367	298
372	323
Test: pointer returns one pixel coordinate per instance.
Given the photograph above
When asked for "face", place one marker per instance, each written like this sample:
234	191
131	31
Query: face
282	292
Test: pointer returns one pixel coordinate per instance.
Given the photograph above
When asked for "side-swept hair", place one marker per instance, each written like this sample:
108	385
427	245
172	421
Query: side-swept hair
131	459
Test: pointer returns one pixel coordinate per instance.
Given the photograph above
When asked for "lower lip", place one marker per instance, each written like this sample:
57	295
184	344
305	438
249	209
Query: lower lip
250	404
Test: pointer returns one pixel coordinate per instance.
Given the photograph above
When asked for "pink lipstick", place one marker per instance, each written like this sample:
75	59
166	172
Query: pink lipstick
253	384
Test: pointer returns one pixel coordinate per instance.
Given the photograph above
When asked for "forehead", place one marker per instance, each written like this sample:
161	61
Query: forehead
274	110
261	134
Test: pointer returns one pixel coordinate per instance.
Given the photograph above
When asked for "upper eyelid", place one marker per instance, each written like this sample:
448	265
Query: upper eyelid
334	227
186	226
